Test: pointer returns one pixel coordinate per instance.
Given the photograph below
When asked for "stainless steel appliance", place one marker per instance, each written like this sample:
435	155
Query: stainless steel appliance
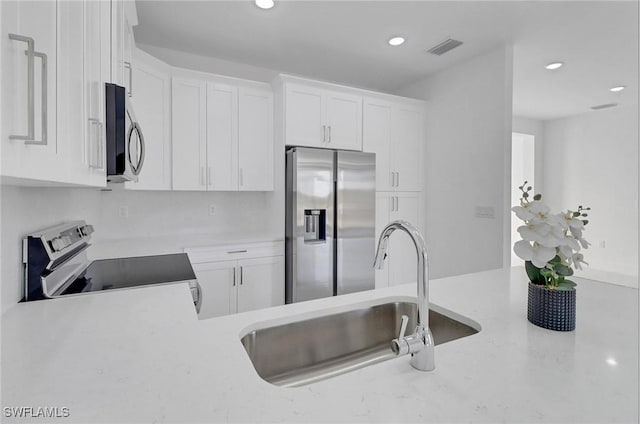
56	265
330	223
125	157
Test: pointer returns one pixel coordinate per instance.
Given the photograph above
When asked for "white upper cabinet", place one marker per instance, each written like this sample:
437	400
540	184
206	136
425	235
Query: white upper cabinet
377	139
29	135
54	129
151	102
222	137
255	135
189	133
394	131
344	121
322	117
235	143
304	116
406	143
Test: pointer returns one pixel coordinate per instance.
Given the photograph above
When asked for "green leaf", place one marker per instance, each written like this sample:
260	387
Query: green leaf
576	214
533	272
555	260
537	197
567	285
563	270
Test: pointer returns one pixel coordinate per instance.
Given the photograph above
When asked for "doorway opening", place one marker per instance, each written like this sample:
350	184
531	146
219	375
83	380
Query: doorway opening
522	169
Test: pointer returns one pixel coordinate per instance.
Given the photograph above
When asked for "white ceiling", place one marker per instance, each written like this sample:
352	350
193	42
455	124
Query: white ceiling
346	42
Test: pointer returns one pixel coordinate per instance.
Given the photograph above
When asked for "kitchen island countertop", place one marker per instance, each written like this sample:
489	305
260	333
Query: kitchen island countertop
142	355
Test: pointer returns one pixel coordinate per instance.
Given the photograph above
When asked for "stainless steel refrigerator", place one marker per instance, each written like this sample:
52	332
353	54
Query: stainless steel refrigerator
330	223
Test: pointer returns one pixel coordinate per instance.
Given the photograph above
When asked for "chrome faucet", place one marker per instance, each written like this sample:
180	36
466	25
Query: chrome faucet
419	344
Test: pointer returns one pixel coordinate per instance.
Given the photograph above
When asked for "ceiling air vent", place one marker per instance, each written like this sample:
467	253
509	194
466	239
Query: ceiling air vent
444	47
608	105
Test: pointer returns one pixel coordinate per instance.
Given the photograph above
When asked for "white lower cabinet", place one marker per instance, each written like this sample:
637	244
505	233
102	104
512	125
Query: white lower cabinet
253	279
401	263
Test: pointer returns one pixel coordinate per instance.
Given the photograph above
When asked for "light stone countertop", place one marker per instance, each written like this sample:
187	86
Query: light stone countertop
141	355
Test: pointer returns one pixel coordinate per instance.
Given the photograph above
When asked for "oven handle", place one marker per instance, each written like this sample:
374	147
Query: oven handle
198	297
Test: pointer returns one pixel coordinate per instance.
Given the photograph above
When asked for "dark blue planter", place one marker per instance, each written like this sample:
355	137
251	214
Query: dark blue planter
552	309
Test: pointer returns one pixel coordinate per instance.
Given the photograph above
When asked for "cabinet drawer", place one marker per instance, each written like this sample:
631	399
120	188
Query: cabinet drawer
232	252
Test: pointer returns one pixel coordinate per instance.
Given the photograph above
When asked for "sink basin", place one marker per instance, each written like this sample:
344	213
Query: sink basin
305	351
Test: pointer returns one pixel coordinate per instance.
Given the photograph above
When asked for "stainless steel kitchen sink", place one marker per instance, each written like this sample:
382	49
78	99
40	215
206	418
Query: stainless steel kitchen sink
302	352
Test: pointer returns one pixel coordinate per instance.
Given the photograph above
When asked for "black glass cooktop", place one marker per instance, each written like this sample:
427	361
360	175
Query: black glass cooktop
121	273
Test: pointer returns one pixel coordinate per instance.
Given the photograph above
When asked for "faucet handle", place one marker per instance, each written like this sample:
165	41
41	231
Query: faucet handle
403	326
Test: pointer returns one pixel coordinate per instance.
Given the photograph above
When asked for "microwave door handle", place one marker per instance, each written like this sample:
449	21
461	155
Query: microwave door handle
136	167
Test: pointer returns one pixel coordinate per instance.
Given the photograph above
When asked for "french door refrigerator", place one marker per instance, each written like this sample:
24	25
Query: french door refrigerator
330	223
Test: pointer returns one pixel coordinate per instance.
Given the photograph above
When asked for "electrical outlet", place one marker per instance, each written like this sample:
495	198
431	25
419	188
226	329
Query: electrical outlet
487	212
212	210
123	211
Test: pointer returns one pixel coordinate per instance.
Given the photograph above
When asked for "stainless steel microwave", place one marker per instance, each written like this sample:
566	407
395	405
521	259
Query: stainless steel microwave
125	141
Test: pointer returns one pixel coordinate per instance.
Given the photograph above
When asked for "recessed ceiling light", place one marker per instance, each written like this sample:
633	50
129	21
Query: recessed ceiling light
265	4
396	41
554	65
618	88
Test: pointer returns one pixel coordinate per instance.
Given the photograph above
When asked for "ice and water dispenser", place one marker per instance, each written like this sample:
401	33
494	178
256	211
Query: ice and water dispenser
315	225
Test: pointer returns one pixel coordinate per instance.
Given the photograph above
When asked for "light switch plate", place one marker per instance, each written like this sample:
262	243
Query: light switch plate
487	212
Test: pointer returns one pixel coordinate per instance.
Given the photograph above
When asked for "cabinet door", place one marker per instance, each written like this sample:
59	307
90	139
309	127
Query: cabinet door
25	159
344	121
261	283
151	103
402	252
127	56
218	283
97	50
304	117
117	42
222	137
188	134
255	161
406	146
376	139
71	90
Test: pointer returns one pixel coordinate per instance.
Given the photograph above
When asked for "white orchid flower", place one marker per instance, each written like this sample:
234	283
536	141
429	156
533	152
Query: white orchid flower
537	254
578	259
535	210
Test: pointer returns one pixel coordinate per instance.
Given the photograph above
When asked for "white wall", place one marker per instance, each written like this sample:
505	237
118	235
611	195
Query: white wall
536	129
238	216
467	163
209	64
592	160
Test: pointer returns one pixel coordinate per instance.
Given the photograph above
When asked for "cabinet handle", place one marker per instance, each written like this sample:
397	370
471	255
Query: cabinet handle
31	54
209	176
241	177
202	179
127	65
329	134
234	276
238	251
324	133
397	204
240	275
397	179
